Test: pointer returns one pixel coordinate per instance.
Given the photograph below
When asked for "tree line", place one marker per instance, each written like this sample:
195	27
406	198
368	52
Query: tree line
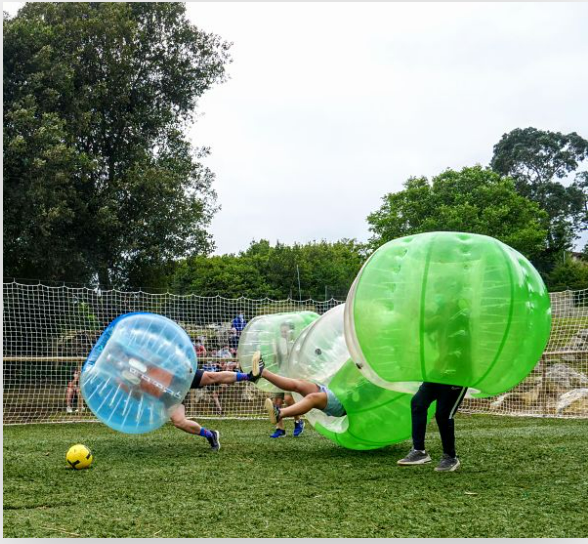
102	186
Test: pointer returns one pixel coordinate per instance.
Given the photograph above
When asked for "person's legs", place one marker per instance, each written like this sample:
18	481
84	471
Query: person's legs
312	400
216	400
289	400
301	387
278	402
449	399
69	393
78	400
317	399
180	421
225	376
419	406
298	422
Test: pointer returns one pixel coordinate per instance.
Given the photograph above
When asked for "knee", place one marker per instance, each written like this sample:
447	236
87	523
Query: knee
299	388
417	405
317	399
178	421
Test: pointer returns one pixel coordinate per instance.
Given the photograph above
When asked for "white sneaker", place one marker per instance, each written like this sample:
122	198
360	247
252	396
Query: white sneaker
272	411
69	409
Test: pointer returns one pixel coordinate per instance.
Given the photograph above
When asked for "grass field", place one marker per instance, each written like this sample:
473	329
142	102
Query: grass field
519	478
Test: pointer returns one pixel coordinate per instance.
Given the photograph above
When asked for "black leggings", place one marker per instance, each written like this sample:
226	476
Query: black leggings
448	398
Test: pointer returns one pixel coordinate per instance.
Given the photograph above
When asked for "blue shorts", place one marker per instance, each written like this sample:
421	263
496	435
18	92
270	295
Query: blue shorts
334	407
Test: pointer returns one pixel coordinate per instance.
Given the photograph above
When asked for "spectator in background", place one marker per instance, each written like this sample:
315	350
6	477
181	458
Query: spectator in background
239	324
233	339
210	368
72	392
199	347
282	350
224	352
226	357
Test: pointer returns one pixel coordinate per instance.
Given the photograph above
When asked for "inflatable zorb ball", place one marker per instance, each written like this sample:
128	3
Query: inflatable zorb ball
447	307
376	417
274	336
138	372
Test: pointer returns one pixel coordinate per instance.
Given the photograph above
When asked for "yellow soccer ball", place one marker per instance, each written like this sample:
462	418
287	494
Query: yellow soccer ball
79	457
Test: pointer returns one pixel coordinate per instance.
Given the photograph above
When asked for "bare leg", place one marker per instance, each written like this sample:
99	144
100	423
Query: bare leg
313	400
218	377
301	387
80	406
69	395
289	399
217	402
181	422
279	402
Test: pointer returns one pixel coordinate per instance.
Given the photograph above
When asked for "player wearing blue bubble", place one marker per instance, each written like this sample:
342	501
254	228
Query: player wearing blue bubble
204	378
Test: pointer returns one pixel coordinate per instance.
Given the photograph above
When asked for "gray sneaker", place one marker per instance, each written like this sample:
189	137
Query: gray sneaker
214	441
415	457
447	464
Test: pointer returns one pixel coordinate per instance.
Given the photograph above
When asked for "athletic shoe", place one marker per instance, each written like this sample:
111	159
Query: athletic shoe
278	433
298	428
415	457
214	441
272	411
257	366
69	409
447	464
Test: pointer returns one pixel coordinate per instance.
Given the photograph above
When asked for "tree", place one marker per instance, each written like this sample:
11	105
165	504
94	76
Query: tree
570	274
326	270
537	160
229	276
99	179
474	200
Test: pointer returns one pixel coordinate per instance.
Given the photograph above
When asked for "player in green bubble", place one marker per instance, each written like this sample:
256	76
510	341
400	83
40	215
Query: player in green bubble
314	395
448	398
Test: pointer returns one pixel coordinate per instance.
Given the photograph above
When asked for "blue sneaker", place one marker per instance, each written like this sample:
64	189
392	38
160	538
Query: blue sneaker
214	441
298	428
278	433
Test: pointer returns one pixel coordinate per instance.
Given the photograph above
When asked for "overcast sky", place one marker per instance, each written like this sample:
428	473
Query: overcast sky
332	105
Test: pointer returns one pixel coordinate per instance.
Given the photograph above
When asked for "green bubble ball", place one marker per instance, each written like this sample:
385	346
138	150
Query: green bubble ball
376	417
447	307
274	336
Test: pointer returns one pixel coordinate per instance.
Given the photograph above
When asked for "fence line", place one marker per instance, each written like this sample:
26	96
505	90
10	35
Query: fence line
48	332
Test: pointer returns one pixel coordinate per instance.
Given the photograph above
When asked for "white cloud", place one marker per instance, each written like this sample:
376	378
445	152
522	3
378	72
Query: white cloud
331	106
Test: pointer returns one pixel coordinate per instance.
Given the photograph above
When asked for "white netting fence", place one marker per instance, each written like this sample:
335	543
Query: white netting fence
49	331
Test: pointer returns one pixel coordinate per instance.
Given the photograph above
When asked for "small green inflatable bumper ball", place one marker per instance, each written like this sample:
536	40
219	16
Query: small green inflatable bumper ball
376	417
447	307
274	336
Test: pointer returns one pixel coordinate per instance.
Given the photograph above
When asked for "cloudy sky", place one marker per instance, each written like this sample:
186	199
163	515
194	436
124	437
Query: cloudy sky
332	105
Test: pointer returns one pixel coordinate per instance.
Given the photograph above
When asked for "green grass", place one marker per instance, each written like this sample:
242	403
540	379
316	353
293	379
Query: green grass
519	478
